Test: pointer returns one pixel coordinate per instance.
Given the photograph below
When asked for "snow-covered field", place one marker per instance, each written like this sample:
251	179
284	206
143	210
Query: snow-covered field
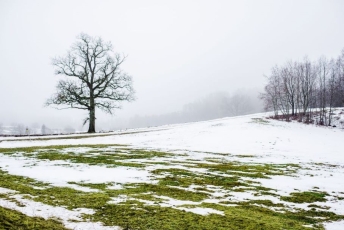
313	158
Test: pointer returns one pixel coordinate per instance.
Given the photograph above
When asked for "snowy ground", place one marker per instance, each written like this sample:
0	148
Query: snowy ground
247	139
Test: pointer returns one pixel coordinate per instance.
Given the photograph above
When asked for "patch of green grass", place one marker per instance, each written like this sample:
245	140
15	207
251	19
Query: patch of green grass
251	170
260	121
147	191
11	219
105	156
17	182
267	203
136	215
309	217
86	159
159	190
71	198
157	162
327	165
33	149
185	178
56	196
100	186
112	159
172	192
265	193
155	217
201	182
319	207
142	205
305	197
245	156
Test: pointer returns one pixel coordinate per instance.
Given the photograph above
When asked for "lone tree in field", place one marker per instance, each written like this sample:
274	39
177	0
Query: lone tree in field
93	79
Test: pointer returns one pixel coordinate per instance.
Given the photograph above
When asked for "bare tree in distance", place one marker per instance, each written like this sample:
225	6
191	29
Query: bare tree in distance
20	129
94	79
44	130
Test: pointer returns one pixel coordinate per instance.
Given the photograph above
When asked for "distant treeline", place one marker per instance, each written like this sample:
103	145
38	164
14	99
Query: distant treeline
216	105
34	129
302	88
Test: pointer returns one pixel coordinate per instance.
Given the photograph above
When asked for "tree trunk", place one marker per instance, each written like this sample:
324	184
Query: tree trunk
92	120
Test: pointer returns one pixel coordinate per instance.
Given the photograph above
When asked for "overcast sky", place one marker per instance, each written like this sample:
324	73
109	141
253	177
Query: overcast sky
178	51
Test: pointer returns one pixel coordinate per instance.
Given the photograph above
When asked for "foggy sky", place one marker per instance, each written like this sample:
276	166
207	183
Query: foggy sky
178	51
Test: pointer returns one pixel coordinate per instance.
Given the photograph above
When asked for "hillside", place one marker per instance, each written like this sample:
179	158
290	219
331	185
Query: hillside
239	172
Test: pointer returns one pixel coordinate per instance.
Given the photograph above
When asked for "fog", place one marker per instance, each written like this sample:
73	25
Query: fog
184	56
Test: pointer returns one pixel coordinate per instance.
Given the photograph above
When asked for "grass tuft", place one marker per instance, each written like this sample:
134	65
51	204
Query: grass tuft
306	197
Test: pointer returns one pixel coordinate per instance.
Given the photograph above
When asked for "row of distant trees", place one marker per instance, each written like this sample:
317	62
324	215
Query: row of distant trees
35	129
306	88
212	106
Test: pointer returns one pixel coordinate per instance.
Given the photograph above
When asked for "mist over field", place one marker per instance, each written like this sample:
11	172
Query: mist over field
189	61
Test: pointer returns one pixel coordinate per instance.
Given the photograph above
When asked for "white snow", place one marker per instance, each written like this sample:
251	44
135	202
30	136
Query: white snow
32	208
236	135
55	174
334	225
317	149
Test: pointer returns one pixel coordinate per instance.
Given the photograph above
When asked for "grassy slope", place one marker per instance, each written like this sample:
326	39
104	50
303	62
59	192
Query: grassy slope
144	206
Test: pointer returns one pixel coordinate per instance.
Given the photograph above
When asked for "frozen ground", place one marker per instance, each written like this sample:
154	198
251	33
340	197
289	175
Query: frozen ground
251	139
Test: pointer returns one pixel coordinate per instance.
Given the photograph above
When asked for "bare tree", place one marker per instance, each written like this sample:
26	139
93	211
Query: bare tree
289	78
271	96
306	86
339	89
323	73
94	79
20	129
44	130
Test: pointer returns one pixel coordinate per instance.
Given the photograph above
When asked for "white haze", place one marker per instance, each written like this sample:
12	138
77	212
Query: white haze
179	52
